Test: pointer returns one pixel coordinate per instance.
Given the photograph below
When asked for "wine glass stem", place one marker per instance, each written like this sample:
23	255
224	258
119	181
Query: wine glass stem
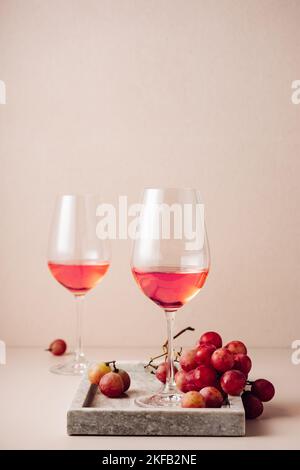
170	385
79	301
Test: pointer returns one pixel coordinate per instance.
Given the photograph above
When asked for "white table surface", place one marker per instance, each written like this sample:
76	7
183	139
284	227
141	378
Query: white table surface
34	402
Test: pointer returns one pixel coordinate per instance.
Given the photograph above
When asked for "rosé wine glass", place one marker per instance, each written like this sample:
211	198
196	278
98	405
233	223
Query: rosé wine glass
77	259
170	263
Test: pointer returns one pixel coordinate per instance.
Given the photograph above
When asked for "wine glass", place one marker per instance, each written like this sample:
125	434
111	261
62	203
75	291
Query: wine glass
170	263
77	259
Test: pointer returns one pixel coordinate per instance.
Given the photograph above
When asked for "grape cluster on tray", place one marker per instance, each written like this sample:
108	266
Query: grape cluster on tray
210	372
207	374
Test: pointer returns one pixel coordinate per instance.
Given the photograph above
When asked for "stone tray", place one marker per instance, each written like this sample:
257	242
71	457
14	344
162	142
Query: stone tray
91	413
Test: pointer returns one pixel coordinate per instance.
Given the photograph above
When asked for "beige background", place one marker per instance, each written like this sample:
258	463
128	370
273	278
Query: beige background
115	95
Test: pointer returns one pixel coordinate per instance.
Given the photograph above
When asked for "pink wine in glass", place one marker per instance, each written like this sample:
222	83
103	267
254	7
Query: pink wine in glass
78	278
170	288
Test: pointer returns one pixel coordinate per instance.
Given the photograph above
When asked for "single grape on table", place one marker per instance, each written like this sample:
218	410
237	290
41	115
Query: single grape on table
57	347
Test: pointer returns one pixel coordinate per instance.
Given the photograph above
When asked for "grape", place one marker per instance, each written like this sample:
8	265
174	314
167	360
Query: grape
203	354
222	360
263	389
125	377
212	396
243	363
161	372
217	385
191	383
253	406
184	381
111	385
236	347
188	360
211	337
203	376
97	372
233	382
181	381
57	347
192	399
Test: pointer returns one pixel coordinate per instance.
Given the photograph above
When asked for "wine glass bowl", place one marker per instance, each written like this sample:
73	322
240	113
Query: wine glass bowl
170	263
78	259
80	277
170	287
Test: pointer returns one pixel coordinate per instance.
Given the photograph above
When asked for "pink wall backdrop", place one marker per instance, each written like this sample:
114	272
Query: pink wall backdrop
110	96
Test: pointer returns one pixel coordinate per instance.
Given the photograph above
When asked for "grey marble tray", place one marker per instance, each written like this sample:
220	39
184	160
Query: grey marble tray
91	413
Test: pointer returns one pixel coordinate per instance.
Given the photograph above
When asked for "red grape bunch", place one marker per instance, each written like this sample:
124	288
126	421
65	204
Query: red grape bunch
210	372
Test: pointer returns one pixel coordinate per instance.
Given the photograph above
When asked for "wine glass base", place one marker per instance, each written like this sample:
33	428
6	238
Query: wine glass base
160	400
71	368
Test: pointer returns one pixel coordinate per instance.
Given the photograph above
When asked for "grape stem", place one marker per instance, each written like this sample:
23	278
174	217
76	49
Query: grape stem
153	359
178	354
165	350
188	328
114	365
